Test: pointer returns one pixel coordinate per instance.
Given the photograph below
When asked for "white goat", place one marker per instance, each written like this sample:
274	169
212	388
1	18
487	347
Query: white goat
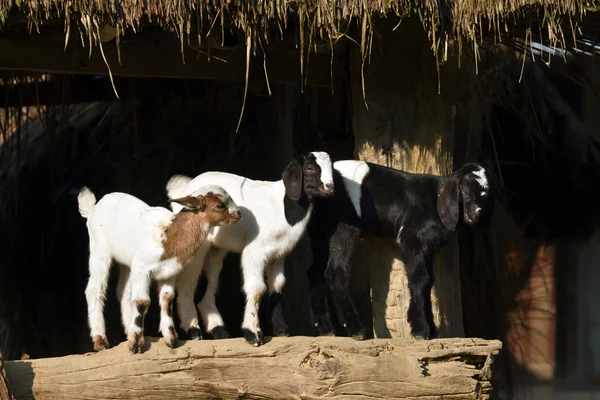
275	216
154	243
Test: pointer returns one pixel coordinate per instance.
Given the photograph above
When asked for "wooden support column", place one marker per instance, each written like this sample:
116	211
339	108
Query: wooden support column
284	368
408	126
5	393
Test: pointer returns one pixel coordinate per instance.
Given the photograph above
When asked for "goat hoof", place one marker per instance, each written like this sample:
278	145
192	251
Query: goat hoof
421	336
133	347
281	331
219	332
421	331
195	333
100	343
141	344
324	329
137	343
359	336
171	342
171	338
253	339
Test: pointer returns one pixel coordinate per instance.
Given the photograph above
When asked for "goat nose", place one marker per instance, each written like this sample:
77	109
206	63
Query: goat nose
237	214
329	186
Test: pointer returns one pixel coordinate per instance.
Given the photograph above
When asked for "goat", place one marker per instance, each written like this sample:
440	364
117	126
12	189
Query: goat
275	216
418	211
154	243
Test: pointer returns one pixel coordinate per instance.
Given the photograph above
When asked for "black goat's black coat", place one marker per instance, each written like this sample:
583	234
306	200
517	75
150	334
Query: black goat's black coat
401	206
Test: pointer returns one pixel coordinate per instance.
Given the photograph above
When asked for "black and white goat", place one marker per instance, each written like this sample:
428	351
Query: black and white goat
274	218
419	212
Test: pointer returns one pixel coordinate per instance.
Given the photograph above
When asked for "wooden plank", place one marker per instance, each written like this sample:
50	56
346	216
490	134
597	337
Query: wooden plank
285	368
144	57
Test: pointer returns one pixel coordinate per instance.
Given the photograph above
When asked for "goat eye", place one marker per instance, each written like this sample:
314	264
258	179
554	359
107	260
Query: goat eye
221	206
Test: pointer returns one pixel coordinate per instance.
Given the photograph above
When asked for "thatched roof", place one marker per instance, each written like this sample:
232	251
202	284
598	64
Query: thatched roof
554	22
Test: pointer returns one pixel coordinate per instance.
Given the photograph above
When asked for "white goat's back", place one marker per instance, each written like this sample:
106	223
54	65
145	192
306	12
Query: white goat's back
177	187
260	202
125	222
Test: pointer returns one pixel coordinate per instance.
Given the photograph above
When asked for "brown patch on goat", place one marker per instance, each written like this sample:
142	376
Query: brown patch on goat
100	343
142	307
167	303
257	297
188	231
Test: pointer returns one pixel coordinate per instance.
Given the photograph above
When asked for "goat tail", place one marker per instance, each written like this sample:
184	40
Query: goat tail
87	201
176	185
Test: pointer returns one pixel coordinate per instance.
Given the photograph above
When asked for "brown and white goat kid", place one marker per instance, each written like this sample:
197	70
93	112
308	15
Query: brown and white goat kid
154	243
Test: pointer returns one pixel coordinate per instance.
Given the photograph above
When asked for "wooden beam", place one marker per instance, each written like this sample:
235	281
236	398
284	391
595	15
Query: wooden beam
53	93
148	58
82	88
284	368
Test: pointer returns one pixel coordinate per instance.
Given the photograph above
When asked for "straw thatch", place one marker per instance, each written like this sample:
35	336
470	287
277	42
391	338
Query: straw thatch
553	22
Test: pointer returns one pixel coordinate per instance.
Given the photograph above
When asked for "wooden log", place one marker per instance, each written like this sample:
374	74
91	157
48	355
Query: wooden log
5	393
407	126
285	368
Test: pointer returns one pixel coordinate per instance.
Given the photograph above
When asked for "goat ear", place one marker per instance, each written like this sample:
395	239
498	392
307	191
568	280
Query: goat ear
192	203
447	204
292	180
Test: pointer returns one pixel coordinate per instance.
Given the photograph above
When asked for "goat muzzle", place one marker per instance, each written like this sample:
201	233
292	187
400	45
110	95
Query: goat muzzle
327	189
236	216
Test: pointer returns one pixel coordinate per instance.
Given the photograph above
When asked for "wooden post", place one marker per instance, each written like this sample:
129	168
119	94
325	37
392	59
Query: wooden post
408	126
5	393
285	368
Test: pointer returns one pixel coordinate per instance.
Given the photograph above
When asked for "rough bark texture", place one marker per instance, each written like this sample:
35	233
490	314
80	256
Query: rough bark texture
4	389
407	126
285	368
